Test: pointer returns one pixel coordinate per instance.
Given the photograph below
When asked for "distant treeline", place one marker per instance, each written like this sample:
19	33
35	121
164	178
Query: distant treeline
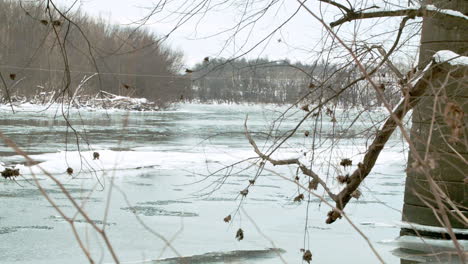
37	46
279	82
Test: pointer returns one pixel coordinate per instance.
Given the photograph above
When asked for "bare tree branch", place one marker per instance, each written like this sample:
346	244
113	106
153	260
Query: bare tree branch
275	162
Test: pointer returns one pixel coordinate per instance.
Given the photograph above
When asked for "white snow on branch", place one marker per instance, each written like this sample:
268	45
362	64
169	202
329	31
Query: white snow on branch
449	12
450	57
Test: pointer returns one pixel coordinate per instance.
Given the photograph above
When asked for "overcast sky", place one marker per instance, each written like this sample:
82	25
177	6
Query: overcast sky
204	34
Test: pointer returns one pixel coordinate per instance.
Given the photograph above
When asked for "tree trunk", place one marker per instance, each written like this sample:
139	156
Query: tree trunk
432	128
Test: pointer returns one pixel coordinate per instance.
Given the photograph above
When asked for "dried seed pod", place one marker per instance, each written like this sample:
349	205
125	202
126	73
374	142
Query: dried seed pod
346	162
69	171
95	155
240	234
307	256
311	86
296	178
126	86
332	216
382	87
313	185
44	22
251	182
244	192
227	219
299	198
342	179
12	76
305	108
56	23
306	133
10	173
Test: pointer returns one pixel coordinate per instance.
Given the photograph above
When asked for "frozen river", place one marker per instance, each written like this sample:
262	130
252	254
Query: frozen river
158	162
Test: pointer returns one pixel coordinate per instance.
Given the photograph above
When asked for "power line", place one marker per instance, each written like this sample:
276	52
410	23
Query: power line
92	72
151	75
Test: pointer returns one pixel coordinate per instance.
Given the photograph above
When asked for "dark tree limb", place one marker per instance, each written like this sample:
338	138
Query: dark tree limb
373	152
420	12
340	6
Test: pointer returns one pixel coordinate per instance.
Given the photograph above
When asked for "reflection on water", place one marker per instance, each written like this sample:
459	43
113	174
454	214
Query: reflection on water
409	256
239	256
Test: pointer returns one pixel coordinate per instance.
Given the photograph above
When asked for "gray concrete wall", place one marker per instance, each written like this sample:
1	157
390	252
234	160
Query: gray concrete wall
429	121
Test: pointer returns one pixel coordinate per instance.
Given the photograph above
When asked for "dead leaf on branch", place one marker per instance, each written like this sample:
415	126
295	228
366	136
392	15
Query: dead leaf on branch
382	87
307	256
346	162
240	234
10	173
343	179
332	216
227	219
313	185
251	182
305	108
95	155
299	198
244	192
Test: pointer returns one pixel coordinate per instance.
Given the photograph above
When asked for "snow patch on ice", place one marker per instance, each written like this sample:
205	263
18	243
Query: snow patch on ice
427	244
57	163
435	229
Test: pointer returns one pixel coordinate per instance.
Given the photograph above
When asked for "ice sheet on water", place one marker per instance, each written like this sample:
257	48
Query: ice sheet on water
427	244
